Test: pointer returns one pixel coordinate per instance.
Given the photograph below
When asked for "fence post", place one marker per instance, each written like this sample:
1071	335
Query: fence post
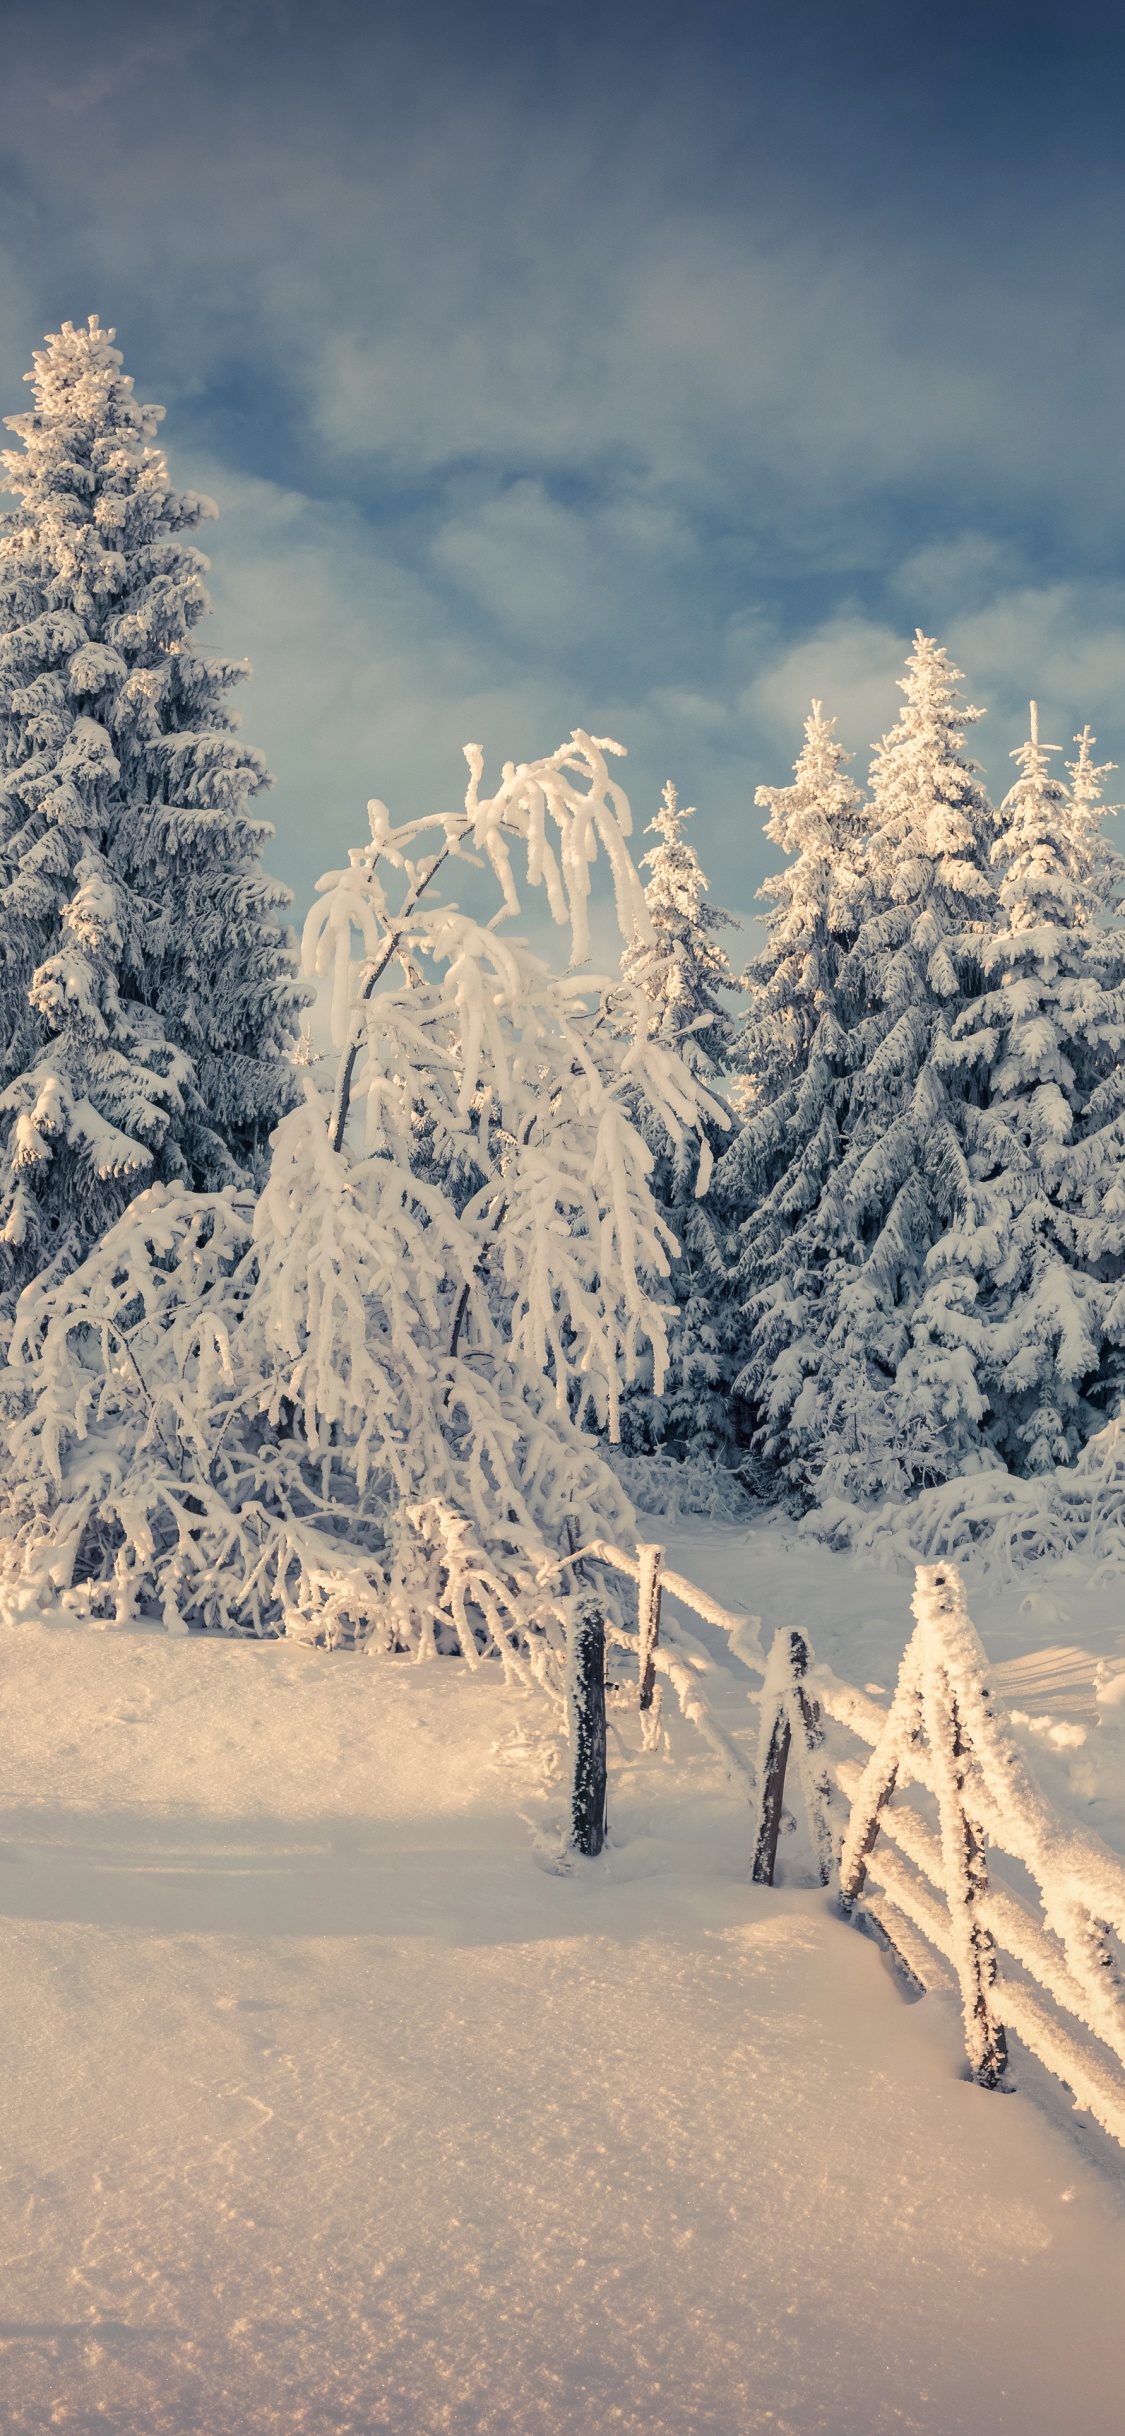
586	1705
938	1603
880	1776
770	1799
925	1735
788	1712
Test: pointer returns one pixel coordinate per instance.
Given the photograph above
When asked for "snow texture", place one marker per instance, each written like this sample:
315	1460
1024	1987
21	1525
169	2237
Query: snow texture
328	2107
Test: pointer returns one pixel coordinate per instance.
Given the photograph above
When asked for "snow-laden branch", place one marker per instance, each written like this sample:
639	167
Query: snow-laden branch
568	792
990	1520
352	1411
513	1087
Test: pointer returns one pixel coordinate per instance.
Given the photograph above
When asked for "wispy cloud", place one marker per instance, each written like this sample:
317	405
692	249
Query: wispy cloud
601	369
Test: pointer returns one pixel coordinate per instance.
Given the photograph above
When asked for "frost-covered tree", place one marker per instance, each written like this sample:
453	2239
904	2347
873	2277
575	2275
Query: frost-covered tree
355	1409
788	1051
684	973
1046	1261
147	993
834	1276
682	977
791	1055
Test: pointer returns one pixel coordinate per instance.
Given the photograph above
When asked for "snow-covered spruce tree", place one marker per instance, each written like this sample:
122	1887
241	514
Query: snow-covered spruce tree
684	972
353	1411
148	997
682	978
833	1282
1047	1266
789	1052
816	902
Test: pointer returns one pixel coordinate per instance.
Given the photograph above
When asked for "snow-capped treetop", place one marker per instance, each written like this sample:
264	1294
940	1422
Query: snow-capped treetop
1055	966
1058	866
683	974
820	820
1045	1212
930	815
147	996
679	983
1089	815
931	905
931	896
790	1051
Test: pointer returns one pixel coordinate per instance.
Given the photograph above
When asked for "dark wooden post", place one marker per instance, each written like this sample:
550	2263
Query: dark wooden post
586	1688
772	1797
788	1710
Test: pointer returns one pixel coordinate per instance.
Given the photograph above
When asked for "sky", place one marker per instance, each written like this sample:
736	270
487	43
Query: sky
640	367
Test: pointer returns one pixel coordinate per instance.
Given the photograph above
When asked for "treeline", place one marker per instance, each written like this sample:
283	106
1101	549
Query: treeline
363	1344
911	1259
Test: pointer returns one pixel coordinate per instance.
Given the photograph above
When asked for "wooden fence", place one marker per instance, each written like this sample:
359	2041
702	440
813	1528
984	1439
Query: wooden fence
1041	1961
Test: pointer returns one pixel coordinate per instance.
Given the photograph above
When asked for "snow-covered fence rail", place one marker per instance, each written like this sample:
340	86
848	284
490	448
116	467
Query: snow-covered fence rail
666	1647
930	1892
661	1646
927	1887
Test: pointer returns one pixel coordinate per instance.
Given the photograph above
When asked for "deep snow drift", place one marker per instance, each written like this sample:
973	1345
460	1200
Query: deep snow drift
328	2106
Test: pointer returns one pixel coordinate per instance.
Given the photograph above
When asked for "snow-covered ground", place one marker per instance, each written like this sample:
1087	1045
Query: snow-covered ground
329	2106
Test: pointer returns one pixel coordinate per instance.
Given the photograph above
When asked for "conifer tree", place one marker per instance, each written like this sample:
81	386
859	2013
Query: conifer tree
147	992
788	1049
682	976
834	1278
1047	1262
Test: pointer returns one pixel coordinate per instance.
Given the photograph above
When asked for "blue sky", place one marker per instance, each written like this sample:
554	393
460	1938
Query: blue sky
647	367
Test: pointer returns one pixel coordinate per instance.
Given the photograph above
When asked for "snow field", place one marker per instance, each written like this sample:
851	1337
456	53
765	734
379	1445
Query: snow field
329	2107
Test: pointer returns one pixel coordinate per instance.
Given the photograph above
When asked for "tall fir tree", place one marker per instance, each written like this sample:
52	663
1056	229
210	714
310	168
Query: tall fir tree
148	998
684	977
1046	1253
833	1279
789	1051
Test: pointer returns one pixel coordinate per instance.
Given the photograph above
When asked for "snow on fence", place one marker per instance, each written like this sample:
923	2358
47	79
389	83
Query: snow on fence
664	1646
1047	1970
930	1893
